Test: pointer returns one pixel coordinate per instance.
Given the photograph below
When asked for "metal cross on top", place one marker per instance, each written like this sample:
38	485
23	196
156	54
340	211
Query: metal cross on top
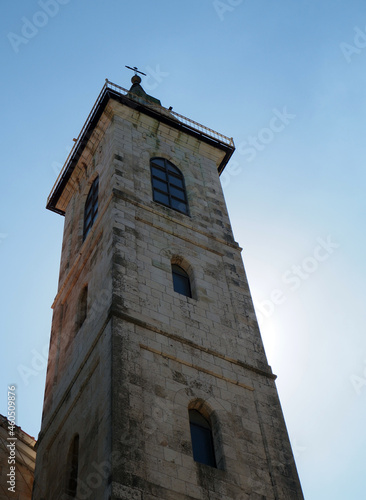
135	70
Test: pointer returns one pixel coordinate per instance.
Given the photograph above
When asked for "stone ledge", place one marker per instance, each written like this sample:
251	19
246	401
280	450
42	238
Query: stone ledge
143	324
118	193
196	367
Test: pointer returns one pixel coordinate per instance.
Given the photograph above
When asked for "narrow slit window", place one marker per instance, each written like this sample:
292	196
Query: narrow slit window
168	185
202	439
72	483
181	282
91	207
82	306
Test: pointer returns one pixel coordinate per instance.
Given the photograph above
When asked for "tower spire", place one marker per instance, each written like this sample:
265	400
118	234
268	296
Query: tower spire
136	91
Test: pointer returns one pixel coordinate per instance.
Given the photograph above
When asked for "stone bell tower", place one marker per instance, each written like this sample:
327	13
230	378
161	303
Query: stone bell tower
157	387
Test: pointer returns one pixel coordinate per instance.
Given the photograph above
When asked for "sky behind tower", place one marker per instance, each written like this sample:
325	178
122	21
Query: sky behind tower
287	81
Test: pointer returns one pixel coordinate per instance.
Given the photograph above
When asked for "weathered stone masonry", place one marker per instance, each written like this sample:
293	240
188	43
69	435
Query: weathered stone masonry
124	380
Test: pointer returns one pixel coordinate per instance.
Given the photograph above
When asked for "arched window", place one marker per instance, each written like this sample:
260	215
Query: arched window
168	185
91	207
202	439
82	306
181	283
73	466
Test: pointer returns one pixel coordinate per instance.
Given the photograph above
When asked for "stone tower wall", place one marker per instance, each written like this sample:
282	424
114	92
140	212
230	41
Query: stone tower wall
78	383
125	379
171	352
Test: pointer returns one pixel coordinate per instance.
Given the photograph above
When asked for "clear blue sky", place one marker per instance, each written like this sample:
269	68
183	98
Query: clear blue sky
287	80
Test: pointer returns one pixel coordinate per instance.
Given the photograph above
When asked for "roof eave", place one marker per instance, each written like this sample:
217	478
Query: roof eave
138	106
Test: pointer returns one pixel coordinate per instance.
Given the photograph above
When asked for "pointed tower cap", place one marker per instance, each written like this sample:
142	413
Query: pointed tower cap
136	92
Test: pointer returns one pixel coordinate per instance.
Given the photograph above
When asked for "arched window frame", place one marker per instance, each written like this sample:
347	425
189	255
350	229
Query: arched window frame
73	468
91	207
202	438
181	281
211	416
168	185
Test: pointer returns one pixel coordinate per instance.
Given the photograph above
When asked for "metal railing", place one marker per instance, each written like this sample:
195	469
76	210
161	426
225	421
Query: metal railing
198	127
187	122
202	129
